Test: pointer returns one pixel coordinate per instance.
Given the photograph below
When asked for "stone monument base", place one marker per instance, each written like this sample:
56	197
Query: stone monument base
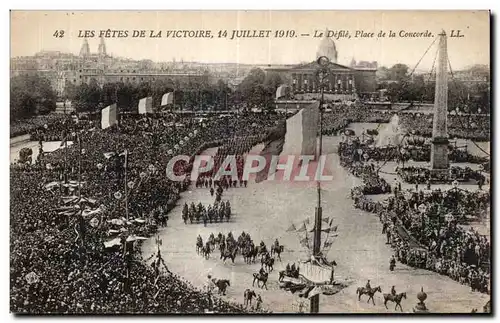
420	309
440	175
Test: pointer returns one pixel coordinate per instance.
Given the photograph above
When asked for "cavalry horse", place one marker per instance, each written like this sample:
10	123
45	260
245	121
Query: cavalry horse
267	263
261	250
211	242
199	245
394	298
260	278
277	250
248	295
249	254
228	253
221	285
368	291
205	251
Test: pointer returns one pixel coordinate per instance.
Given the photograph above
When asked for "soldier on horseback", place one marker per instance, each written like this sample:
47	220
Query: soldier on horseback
368	286
276	244
393	291
262	271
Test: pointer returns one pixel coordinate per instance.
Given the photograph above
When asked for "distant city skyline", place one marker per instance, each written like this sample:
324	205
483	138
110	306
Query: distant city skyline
32	32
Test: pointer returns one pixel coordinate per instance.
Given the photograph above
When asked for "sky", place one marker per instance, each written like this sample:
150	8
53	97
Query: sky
33	31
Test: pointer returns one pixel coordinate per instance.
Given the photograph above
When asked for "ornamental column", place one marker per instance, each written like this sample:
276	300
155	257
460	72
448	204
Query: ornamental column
439	151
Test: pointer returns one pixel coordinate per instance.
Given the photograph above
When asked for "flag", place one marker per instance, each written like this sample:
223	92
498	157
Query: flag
302	228
167	98
282	91
274	146
296	136
291	228
108	116
146	105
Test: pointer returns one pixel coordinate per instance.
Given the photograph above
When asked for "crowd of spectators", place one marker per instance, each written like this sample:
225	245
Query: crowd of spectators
424	228
29	126
474	127
75	238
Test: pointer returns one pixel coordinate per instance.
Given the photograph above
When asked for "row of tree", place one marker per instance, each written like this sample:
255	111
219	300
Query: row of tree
195	95
402	85
30	95
257	89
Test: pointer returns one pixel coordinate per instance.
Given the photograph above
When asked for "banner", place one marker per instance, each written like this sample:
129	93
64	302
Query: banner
167	98
282	90
315	273
146	105
108	116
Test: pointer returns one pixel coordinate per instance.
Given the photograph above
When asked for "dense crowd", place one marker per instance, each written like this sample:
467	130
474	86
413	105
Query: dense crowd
351	158
32	125
475	127
424	227
75	238
421	175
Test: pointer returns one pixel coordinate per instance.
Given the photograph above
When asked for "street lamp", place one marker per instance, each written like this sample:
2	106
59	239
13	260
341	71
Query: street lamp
322	74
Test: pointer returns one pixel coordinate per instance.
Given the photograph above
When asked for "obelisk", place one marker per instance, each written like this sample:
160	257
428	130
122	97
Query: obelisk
439	150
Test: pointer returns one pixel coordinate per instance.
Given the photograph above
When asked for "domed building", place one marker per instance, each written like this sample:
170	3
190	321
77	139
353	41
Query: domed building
345	83
327	48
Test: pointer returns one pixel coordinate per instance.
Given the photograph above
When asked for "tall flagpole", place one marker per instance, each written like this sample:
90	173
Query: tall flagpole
80	218
126	185
323	62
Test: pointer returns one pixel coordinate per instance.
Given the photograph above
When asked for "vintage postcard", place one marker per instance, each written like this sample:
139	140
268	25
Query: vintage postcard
250	162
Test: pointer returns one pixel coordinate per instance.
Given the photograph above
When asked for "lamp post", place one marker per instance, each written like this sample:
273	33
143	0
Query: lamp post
322	74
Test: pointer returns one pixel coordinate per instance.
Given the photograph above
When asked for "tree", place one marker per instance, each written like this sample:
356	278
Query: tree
252	88
29	95
69	91
398	72
88	96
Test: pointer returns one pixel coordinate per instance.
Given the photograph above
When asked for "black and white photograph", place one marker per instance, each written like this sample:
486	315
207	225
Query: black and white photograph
250	162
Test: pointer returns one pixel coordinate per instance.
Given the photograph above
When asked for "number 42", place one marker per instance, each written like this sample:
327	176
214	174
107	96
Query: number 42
59	34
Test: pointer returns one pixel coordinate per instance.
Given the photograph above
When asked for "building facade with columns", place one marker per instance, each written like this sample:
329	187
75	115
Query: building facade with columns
344	82
63	69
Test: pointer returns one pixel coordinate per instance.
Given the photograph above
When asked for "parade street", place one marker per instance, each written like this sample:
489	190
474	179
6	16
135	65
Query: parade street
267	209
